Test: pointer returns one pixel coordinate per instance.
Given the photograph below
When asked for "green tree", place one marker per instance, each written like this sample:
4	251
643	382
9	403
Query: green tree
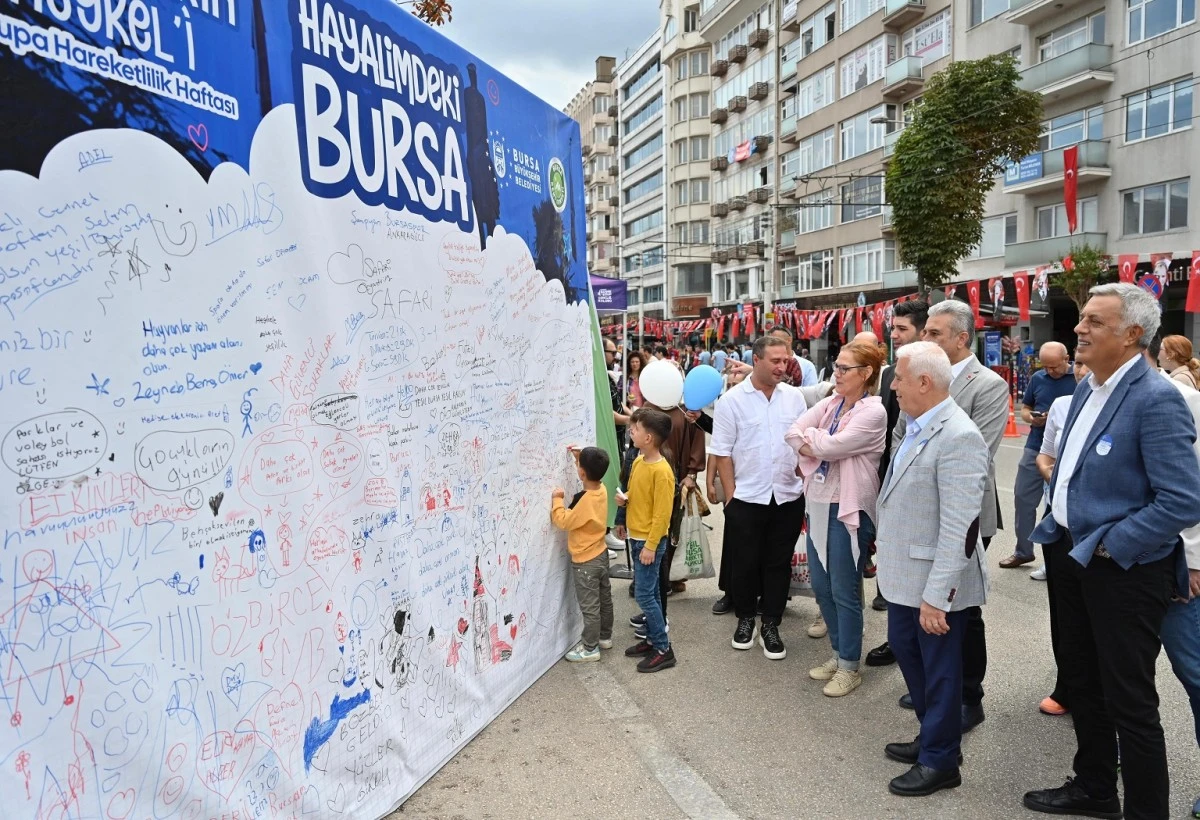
973	119
1082	269
434	12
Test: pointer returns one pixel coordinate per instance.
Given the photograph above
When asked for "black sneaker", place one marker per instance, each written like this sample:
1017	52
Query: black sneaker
638	649
657	661
638	620
743	638
773	647
642	633
723	605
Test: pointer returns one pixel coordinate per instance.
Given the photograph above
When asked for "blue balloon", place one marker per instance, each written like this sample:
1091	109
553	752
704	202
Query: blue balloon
701	387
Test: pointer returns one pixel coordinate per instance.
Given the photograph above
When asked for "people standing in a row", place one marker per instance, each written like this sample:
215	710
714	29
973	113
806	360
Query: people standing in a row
1121	493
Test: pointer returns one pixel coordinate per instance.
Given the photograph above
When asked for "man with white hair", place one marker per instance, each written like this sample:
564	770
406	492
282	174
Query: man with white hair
1046	385
1122	491
931	568
983	396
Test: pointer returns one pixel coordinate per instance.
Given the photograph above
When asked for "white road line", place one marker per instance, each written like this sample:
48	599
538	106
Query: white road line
1013	446
686	787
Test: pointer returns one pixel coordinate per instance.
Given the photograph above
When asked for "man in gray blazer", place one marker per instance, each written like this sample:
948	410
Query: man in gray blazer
983	396
931	567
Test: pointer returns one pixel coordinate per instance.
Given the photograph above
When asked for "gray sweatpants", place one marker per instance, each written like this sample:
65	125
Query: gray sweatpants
1027	497
595	599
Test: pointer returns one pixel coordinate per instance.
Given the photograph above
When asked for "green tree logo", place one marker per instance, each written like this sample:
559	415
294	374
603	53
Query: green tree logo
558	184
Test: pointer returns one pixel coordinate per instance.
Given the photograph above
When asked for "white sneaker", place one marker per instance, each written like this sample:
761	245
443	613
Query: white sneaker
843	683
606	643
1039	574
582	655
818	628
613	543
825	671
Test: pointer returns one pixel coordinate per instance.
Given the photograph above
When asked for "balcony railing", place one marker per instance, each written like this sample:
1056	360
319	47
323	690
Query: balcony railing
889	142
1079	70
1033	12
1045	251
1044	171
898	14
903	77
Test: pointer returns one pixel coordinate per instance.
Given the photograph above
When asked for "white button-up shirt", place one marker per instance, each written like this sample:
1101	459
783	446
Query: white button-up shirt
1071	448
750	429
957	369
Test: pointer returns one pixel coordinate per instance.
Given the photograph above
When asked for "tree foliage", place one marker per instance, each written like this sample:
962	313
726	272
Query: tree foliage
1085	267
973	119
434	12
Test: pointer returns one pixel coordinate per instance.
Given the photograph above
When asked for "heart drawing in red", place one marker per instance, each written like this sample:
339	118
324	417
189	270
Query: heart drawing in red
198	134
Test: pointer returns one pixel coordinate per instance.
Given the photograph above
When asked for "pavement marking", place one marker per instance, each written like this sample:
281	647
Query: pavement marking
1013	446
685	786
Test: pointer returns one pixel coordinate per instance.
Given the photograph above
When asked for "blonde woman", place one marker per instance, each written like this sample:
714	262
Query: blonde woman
1176	359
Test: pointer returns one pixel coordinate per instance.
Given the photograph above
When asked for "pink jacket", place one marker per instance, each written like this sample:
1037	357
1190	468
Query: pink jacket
854	451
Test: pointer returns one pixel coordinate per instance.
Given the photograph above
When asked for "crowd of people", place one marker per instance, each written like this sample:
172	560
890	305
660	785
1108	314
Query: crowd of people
898	461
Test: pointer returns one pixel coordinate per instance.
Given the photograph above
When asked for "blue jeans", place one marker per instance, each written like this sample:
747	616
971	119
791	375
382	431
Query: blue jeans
1181	640
648	594
838	586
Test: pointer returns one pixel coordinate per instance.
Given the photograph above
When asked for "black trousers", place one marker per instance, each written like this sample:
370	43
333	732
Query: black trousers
974	651
759	542
1109	621
1055	555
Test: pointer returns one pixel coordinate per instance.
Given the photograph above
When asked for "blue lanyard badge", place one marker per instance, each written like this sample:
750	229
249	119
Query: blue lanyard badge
823	470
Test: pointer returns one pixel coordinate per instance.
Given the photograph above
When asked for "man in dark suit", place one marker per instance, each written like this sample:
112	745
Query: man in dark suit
1121	494
908	321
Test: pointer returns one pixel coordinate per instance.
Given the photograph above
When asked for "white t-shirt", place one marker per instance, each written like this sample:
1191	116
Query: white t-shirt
750	429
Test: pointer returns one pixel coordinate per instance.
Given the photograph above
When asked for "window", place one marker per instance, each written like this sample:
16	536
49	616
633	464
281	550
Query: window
699	105
646	76
998	231
601	103
1150	18
652	294
865	65
1052	220
643	115
1159	110
815	92
699	63
815	270
699	190
816	212
680	151
855	11
1155	208
632	295
862	198
646	223
699	148
1085	124
817	152
644	188
817	30
983	10
691	19
865	263
929	39
699	232
859	135
1015	53
1071	36
644	151
693	279
680	193
670	29
601	133
681	68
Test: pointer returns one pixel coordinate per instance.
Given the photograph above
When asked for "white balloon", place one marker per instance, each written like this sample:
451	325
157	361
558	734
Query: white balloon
661	384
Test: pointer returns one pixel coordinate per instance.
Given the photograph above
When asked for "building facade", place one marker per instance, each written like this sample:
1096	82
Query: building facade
594	108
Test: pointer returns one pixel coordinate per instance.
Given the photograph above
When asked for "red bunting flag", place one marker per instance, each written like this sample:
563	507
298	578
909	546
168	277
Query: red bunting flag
1070	178
877	319
734	327
1021	283
973	298
750	321
950	290
858	320
1127	267
1068	264
1193	293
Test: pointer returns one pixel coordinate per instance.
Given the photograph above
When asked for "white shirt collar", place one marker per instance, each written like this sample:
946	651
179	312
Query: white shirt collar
957	369
923	420
1109	386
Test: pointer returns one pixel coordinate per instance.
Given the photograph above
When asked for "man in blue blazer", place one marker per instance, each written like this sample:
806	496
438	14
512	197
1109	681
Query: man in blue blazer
1121	493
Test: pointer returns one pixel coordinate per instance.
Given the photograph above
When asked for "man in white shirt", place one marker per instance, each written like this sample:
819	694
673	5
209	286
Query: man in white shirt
765	504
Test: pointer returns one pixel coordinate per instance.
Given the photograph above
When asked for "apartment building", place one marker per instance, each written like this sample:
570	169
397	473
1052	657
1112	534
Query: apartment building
744	164
641	176
595	109
687	104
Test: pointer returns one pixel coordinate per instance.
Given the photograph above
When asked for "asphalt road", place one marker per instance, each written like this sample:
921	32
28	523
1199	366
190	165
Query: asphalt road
728	734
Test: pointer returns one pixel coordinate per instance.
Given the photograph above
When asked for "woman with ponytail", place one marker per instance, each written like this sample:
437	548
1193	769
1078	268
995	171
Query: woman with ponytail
1177	360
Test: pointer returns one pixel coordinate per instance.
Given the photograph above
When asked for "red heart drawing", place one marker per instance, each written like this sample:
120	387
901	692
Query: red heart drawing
198	134
512	630
462	626
121	804
224	757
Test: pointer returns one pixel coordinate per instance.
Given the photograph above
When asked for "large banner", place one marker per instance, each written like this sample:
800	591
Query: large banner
294	335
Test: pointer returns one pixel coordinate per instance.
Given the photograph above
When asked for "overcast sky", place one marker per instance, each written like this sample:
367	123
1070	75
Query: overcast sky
551	46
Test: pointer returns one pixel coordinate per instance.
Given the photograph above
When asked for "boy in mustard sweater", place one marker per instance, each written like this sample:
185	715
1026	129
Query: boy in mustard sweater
647	508
586	523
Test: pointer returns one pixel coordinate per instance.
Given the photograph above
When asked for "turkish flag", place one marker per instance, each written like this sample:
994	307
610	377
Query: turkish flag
973	298
843	320
877	315
858	319
1070	180
1193	294
1021	283
750	321
734	328
1127	267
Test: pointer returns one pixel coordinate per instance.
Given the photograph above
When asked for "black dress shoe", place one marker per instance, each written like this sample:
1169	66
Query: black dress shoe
908	752
1071	799
906	701
922	780
881	656
723	605
972	716
879	604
